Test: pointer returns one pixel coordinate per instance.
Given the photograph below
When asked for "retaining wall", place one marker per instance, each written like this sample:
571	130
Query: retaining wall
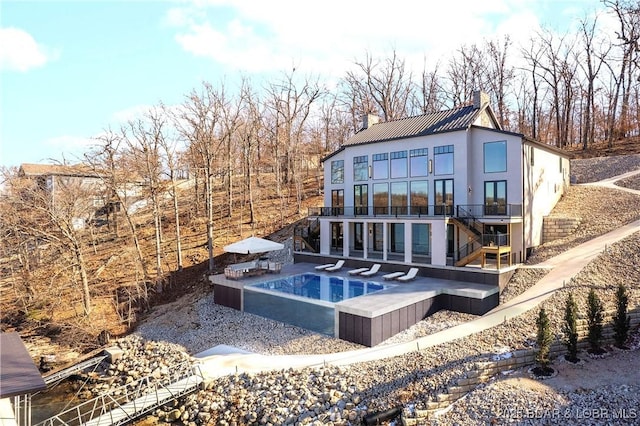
555	227
486	370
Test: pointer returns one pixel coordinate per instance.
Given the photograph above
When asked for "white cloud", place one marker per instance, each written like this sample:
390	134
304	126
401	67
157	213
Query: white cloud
130	114
326	37
20	52
69	146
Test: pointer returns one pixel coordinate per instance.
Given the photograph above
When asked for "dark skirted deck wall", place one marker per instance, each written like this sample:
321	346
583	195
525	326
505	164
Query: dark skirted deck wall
228	296
373	331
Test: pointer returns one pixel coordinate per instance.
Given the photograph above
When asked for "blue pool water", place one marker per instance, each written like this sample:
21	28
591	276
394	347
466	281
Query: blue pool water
331	289
305	300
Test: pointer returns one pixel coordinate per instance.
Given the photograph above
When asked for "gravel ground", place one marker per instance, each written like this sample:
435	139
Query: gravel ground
413	378
600	168
607	210
632	182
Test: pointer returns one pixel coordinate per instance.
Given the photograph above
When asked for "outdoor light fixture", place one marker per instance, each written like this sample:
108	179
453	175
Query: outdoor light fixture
369	172
430	166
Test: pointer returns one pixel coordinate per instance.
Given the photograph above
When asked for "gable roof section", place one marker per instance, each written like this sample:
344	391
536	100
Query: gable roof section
421	125
78	170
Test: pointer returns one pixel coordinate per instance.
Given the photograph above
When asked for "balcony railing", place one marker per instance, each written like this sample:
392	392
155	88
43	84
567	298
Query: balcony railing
473	210
393	211
496	240
483	210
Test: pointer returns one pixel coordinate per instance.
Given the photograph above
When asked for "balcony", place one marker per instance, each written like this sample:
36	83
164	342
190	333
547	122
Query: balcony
393	211
489	210
440	210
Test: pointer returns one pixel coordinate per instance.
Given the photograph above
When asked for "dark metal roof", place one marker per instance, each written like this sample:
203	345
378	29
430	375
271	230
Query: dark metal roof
443	121
18	374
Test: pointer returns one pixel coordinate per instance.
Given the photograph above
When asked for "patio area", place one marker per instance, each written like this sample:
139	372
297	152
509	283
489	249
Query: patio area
371	319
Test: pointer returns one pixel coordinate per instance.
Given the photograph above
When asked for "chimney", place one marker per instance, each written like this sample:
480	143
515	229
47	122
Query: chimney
369	120
480	99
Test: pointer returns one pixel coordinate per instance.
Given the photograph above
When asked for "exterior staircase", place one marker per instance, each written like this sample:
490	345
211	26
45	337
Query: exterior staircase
472	228
306	236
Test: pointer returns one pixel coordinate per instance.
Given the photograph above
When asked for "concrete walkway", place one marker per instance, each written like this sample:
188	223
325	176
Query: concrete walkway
224	361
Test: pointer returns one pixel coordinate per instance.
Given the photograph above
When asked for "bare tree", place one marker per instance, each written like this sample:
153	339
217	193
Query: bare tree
56	217
429	95
500	76
384	87
144	138
465	74
171	153
290	102
591	63
628	14
107	161
199	123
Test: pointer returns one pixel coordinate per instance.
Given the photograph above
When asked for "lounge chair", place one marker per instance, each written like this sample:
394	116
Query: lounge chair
335	267
323	267
393	276
409	276
371	272
357	271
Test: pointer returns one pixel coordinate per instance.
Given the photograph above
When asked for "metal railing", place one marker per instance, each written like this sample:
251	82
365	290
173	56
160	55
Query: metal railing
63	374
130	401
484	210
437	210
498	240
384	211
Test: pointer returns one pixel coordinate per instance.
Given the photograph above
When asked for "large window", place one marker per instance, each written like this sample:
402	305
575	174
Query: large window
443	160
361	199
495	197
495	157
419	162
443	196
381	198
399	198
337	171
399	164
381	166
419	197
360	168
396	240
420	238
337	201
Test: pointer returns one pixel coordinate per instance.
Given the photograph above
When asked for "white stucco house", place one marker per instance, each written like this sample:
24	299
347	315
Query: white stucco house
447	188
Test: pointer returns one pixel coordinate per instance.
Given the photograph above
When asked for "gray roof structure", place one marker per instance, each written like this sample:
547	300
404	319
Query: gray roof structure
420	125
18	373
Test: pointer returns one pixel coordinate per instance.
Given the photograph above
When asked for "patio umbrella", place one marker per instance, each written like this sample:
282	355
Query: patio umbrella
253	245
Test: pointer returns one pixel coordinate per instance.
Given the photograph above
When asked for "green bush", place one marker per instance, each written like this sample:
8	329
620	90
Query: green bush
594	321
544	340
571	328
621	322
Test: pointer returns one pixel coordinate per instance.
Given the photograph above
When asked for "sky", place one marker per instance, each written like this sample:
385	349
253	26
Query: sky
70	69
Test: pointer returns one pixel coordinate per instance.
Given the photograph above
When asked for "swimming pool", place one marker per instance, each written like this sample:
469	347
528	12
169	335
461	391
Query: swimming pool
325	288
305	300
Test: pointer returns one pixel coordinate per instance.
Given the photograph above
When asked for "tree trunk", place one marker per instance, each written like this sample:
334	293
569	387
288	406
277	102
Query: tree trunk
176	214
86	296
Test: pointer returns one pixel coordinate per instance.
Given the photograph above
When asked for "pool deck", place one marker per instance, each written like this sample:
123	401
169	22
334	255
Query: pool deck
373	318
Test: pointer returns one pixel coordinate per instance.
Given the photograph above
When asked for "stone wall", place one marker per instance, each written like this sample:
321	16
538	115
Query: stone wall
554	227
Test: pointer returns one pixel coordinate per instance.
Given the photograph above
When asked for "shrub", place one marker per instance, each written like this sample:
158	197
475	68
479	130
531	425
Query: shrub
544	340
594	321
571	328
621	322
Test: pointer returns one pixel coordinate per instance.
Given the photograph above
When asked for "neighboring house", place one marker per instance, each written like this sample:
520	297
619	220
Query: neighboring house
69	180
447	188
